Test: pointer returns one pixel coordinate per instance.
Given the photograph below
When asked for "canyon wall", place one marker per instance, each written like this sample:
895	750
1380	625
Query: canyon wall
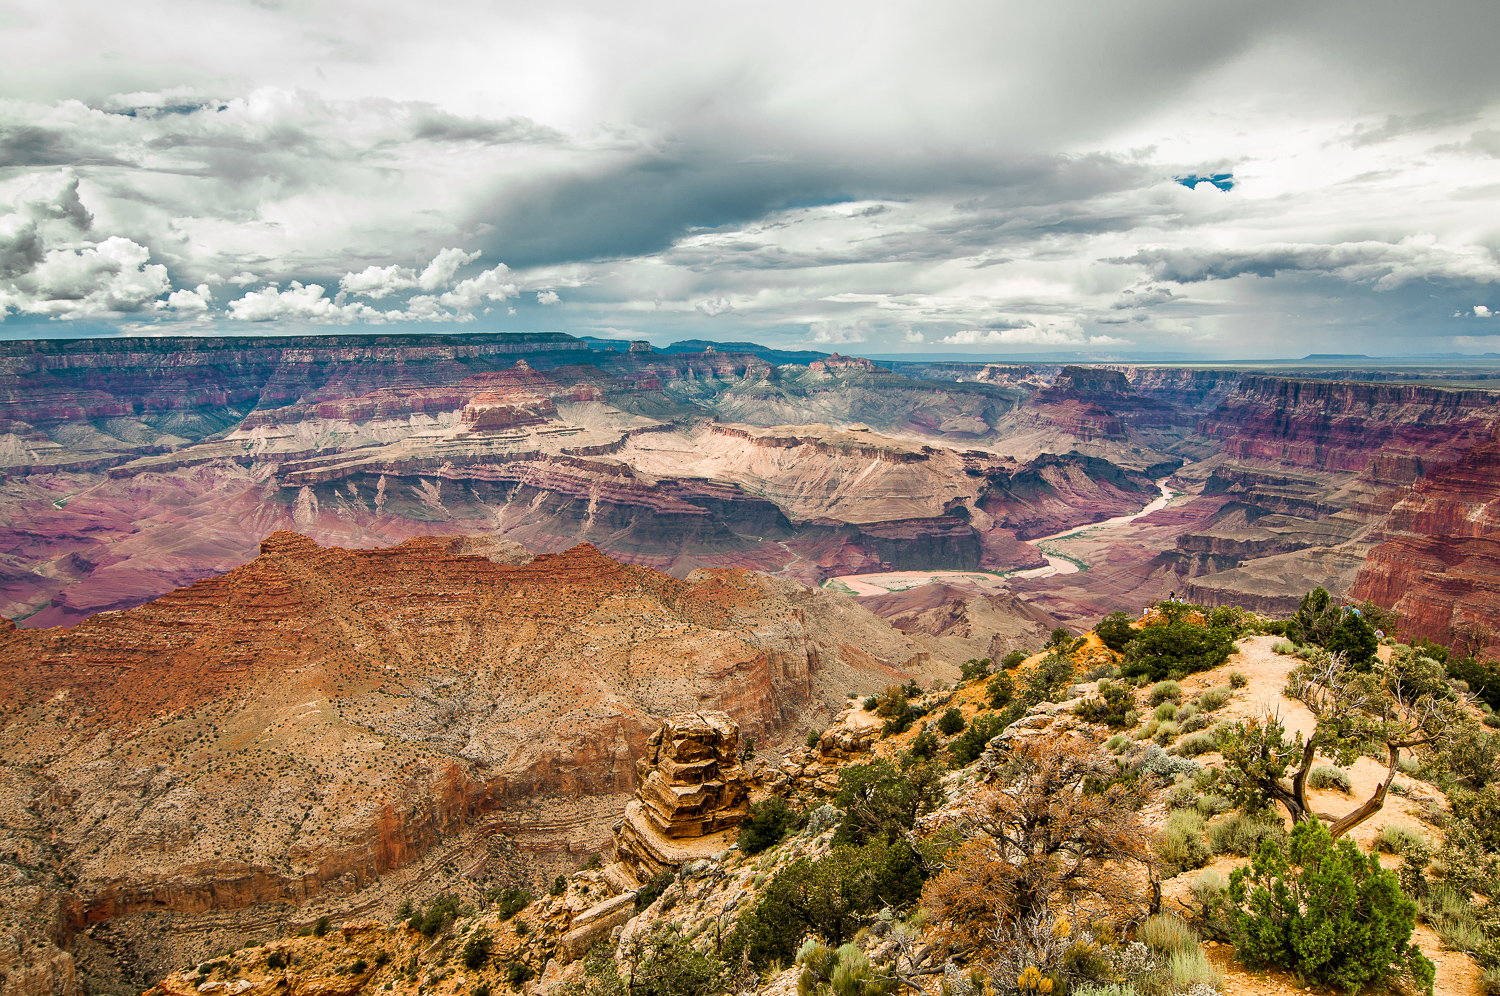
307	724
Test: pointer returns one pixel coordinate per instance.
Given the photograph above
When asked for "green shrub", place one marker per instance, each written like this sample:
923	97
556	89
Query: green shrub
1115	630
276	960
1180	843
880	800
1117	743
1182	796
1240	834
1237	679
1167	934
477	948
871	703
1196	722
844	971
1394	839
1355	639
951	722
767	825
1183	713
1164	690
813	736
1208	889
1212	805
440	914
974	668
1324	777
321	927
1212	699
559	886
1319	908
662	880
967	746
1284	647
1001	689
1013	660
832	897
1165	711
1176	649
1190	968
1194	744
512	901
1048	681
1148	731
1165	731
517	973
1112	706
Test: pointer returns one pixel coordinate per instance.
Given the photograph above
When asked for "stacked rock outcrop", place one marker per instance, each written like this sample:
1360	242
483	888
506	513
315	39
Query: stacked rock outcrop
691	791
691	781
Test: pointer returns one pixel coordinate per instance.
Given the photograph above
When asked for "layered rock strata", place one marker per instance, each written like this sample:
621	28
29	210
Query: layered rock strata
691	791
303	727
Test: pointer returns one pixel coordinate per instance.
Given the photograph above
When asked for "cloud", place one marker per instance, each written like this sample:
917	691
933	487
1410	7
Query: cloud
1481	311
839	333
546	297
1384	265
714	307
912	336
1144	296
111	277
378	282
1031	336
444	267
193	301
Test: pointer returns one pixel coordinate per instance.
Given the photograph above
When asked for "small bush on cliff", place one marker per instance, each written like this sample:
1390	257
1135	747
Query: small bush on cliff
509	902
1049	680
1176	649
923	748
844	971
768	824
1325	911
1013	660
660	882
1112	706
1115	630
832	898
559	886
1001	689
880	800
1355	639
439	916
951	722
321	927
476	950
975	667
965	750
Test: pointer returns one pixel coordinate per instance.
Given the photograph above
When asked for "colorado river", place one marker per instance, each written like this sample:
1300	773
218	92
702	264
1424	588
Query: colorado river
885	582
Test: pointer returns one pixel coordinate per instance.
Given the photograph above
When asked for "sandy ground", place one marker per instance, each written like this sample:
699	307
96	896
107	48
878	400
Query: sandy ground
889	581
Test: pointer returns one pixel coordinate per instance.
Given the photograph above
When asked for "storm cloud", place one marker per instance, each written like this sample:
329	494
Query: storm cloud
971	177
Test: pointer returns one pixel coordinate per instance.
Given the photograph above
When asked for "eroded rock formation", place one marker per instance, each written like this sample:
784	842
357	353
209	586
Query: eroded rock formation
304	728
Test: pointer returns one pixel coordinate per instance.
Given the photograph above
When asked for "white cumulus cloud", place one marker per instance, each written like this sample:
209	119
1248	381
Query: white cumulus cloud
546	297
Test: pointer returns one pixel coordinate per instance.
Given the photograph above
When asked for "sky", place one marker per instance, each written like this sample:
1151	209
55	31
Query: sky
1139	178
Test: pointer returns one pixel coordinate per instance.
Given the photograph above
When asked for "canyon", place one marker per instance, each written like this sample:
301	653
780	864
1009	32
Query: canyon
306	626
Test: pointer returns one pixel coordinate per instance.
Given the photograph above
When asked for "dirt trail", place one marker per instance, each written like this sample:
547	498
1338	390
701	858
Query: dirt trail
1267	671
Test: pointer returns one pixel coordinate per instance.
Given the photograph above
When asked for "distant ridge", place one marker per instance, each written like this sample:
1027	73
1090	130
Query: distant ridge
1336	356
